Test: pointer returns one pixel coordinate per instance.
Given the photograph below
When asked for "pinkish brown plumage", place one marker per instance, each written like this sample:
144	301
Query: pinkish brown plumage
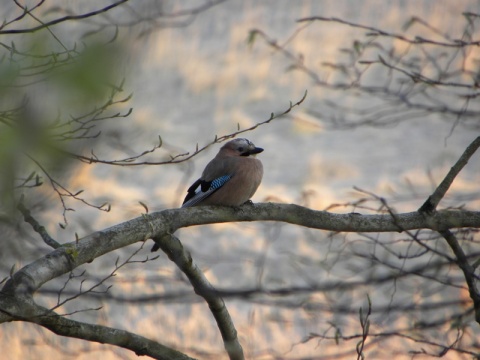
230	179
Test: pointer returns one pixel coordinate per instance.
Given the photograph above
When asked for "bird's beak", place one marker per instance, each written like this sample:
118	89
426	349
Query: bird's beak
255	151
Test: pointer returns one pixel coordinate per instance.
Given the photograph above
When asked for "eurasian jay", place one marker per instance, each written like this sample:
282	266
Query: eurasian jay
230	179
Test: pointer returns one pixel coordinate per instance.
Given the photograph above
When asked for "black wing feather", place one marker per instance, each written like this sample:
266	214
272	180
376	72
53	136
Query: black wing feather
191	190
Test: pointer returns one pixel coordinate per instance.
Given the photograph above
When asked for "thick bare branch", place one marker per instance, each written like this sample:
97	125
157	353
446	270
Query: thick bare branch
75	253
172	246
103	334
17	309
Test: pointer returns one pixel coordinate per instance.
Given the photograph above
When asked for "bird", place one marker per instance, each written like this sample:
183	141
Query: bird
229	179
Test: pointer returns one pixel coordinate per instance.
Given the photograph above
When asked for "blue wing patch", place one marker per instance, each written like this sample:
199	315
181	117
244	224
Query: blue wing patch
202	189
219	182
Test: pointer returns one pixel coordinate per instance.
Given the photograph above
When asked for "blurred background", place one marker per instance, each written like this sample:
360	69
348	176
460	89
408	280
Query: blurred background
373	122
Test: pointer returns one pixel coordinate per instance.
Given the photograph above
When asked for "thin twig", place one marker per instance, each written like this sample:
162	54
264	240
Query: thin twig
365	324
62	19
378	32
130	161
93	288
63	193
401	229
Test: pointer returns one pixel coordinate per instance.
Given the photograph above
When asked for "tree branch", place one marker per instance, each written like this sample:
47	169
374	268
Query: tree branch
132	161
19	309
62	19
467	269
432	202
456	43
172	246
75	253
27	216
405	89
23	283
106	335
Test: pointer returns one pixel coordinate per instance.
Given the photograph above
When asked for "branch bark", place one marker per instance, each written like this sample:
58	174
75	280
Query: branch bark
172	246
75	253
20	309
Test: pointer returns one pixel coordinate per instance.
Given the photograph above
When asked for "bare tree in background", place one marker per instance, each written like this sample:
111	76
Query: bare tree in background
409	277
432	75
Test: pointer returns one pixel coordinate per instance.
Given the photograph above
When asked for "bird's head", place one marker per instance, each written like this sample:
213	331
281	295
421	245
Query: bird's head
241	147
